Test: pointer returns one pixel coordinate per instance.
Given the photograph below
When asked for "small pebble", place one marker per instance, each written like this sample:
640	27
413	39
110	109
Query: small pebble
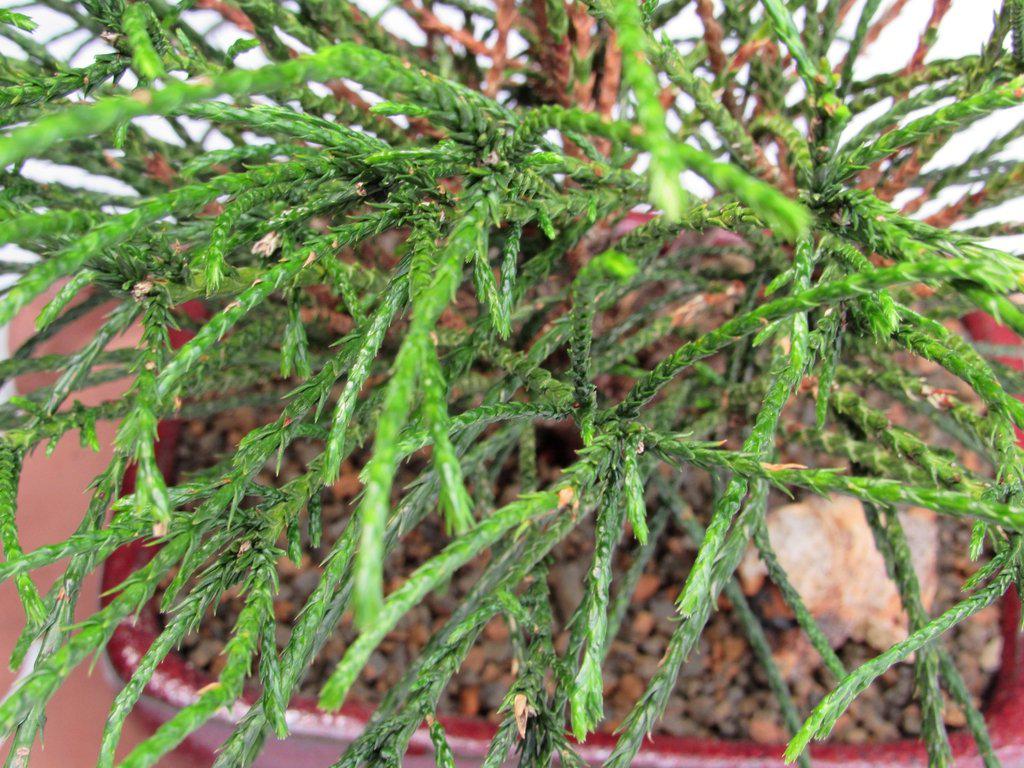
469	700
496	630
991	654
474	660
764	729
643	624
646	587
631	686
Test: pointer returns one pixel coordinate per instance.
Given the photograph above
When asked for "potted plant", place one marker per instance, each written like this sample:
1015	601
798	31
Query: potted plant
429	322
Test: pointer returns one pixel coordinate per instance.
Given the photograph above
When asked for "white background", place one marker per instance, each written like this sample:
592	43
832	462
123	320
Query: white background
964	30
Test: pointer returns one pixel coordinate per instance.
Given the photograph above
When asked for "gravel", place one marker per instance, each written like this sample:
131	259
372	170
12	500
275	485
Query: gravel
721	693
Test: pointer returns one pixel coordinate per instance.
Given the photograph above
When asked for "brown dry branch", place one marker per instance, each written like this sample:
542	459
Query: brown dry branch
505	15
939	9
713	36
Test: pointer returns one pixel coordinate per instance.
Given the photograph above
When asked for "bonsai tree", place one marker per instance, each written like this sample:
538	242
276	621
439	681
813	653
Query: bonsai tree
404	244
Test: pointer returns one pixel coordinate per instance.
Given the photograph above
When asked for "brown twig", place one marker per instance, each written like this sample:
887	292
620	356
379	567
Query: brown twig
504	17
159	169
554	56
939	9
713	36
914	205
582	24
954	212
900	176
876	29
747	51
611	76
844	10
229	13
429	23
342	92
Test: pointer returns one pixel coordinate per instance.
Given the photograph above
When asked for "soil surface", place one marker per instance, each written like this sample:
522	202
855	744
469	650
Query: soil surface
722	693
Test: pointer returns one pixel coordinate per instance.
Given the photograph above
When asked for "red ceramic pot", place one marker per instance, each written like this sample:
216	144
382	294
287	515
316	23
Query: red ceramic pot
319	737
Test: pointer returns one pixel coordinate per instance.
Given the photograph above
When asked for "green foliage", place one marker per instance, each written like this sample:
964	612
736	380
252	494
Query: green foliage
422	253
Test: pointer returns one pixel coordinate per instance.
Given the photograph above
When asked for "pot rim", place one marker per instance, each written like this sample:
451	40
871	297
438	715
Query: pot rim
177	683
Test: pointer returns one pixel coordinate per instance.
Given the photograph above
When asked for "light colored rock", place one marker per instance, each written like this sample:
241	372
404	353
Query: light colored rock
827	549
991	655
